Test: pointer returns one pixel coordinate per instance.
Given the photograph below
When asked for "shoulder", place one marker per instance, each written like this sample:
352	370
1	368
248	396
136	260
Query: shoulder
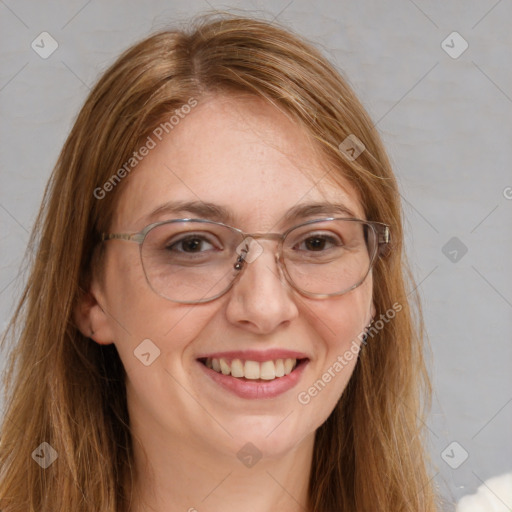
489	497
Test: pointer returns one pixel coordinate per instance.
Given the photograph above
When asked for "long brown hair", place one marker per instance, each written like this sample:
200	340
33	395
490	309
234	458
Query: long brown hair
64	389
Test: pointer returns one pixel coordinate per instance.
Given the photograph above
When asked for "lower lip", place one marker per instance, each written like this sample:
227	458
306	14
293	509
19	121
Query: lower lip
257	388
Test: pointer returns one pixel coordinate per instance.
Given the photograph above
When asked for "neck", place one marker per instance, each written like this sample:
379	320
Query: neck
176	473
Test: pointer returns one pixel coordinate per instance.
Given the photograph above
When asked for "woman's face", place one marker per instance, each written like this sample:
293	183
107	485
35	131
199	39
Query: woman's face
248	158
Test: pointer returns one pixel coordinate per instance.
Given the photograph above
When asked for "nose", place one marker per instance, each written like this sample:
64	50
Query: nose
261	300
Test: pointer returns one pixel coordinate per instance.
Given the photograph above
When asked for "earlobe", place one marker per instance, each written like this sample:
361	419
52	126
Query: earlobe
91	319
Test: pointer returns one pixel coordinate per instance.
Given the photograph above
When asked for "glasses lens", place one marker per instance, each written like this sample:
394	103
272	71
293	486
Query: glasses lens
190	261
329	257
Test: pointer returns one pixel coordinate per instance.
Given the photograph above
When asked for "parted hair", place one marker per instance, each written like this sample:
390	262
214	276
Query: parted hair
65	389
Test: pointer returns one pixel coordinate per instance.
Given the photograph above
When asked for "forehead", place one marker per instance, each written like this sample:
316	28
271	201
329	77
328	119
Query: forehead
241	154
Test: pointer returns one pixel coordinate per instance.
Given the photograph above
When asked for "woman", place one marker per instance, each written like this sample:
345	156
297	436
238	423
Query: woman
218	314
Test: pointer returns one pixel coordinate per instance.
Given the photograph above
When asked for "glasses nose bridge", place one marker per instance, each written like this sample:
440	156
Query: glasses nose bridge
275	237
249	253
269	236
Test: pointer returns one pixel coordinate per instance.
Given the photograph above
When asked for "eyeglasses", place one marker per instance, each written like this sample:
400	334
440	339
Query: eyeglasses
191	261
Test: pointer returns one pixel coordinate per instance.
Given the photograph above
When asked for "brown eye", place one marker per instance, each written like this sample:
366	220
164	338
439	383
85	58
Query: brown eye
192	244
318	243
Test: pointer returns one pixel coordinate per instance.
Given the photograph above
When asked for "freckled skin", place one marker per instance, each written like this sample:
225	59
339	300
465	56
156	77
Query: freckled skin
247	156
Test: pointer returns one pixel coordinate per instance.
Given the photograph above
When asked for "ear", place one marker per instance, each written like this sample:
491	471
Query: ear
371	315
90	317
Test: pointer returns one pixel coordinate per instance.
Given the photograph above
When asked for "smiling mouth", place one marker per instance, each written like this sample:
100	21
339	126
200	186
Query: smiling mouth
247	370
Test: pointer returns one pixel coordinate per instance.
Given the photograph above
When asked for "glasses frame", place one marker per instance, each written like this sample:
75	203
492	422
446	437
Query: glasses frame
381	230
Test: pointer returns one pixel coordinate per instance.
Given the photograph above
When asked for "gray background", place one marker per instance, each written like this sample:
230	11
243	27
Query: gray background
445	121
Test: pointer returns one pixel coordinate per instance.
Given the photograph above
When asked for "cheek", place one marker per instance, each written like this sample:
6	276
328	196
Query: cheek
340	320
339	324
129	297
138	314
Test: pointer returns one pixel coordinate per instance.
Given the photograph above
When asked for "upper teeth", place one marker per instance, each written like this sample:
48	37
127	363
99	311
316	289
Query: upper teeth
266	370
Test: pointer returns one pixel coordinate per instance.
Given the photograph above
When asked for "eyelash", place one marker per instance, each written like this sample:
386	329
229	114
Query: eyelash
203	239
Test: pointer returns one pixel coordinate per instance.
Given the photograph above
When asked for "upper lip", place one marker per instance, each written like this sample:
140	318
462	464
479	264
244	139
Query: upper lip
256	355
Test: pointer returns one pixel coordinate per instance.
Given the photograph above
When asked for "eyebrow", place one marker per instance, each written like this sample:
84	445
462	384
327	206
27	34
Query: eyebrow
218	213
